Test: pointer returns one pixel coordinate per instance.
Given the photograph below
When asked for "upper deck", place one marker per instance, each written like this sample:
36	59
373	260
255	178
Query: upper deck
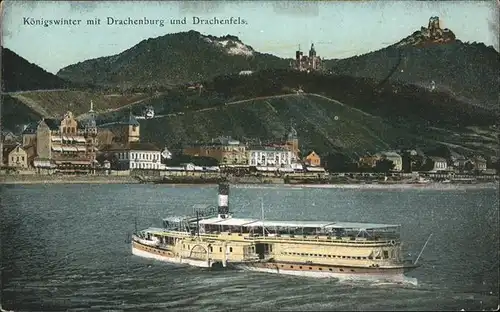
327	225
313	231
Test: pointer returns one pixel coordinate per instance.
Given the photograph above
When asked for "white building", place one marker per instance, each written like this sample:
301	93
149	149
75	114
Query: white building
440	164
269	156
137	156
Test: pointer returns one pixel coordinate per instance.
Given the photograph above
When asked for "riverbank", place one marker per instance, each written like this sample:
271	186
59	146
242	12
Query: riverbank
239	181
60	179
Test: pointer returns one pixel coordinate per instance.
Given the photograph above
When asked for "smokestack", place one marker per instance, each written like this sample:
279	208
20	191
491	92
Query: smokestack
223	209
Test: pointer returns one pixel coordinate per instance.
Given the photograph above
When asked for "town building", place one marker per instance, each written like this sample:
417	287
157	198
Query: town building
440	164
66	145
225	150
479	163
457	160
134	155
8	137
308	63
123	131
312	159
269	156
29	134
228	151
17	156
368	161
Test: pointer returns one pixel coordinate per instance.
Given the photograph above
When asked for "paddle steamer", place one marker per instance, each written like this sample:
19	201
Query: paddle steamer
212	237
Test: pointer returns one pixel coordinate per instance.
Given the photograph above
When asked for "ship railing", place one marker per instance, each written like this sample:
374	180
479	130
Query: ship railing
332	239
305	238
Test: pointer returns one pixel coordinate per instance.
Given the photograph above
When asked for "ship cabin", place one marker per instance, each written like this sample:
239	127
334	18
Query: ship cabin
297	229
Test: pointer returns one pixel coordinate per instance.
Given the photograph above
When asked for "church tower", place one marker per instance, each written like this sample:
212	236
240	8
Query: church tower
133	129
292	142
91	137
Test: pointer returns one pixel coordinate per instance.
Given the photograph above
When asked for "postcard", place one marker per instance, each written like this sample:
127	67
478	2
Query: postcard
249	155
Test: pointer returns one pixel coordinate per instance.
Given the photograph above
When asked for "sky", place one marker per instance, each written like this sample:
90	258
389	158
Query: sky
339	29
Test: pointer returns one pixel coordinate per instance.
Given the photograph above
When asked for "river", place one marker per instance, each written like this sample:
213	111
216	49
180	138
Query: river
63	248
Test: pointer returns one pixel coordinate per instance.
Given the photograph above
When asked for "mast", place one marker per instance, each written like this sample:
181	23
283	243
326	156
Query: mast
421	251
197	224
262	211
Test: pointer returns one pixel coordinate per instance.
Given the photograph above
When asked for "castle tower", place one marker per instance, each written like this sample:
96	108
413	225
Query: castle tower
312	51
223	200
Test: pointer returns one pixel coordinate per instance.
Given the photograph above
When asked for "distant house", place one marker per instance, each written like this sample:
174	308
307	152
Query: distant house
29	134
17	156
9	137
166	154
457	160
368	161
312	159
479	163
440	164
246	72
395	158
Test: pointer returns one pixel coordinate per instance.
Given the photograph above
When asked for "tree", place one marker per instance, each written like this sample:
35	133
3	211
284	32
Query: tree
338	162
468	166
384	165
427	165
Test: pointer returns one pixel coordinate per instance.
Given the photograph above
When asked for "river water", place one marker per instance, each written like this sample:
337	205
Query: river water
64	249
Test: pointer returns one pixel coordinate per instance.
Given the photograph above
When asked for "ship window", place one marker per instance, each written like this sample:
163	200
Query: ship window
230	249
211	249
291	267
343	257
341	270
183	246
270	248
329	256
220	249
329	269
315	255
386	254
310	268
321	269
352	270
300	267
302	254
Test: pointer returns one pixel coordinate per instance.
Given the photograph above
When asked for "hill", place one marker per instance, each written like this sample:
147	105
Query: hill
433	58
19	75
337	113
20	108
171	59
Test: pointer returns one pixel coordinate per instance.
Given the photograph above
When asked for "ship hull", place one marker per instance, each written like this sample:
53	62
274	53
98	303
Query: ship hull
297	269
323	271
159	254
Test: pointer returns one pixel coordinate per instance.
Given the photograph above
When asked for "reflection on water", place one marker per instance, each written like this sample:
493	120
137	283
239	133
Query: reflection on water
63	248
